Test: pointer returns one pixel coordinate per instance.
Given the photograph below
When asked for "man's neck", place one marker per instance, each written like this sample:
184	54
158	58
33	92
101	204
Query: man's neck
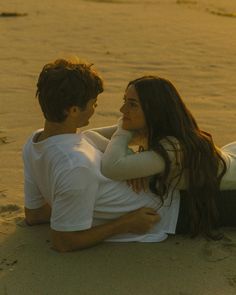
53	128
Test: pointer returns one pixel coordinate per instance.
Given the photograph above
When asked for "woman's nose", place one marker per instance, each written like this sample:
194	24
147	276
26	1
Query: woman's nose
122	109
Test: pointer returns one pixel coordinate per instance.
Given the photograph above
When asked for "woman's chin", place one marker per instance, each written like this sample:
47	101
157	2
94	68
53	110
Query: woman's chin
125	127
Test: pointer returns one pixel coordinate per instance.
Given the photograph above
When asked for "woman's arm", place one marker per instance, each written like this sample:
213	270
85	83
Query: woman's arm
119	164
100	136
106	131
96	139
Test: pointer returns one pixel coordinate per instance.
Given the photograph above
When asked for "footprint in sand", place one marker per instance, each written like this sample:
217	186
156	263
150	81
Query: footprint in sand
186	2
3	194
211	10
13	213
20	221
214	251
12	14
221	12
6	263
105	1
9	208
232	281
5	140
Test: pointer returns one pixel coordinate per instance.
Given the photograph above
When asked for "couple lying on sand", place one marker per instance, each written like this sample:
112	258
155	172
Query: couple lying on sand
91	186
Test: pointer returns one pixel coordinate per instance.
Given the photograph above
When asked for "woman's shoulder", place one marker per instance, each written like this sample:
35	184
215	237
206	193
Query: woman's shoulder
170	143
229	148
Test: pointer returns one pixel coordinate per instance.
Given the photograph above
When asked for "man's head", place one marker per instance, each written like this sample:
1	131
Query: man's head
63	84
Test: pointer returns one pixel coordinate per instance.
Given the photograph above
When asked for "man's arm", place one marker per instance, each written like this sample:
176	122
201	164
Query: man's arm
138	222
72	213
38	216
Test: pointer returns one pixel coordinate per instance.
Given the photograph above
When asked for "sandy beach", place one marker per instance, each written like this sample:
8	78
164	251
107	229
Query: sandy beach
193	44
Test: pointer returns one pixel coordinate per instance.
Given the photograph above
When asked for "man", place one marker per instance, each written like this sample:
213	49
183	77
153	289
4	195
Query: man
63	182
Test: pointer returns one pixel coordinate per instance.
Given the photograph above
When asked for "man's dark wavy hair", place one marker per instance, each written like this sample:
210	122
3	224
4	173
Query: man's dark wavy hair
63	84
202	164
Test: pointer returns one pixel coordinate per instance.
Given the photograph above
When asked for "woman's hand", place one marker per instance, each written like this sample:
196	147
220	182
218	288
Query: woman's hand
139	184
140	137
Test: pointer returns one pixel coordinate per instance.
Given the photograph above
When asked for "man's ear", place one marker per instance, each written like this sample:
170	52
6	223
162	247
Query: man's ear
73	111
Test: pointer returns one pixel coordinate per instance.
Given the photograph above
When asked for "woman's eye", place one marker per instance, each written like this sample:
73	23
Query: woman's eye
132	104
129	103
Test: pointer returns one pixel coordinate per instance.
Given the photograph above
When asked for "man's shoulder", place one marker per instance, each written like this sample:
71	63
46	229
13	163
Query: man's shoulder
84	154
68	151
29	142
75	151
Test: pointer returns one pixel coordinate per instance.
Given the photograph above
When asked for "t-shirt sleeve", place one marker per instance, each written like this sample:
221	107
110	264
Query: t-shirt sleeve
73	204
119	164
32	196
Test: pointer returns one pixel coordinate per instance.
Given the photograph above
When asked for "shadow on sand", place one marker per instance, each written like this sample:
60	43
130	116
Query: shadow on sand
29	266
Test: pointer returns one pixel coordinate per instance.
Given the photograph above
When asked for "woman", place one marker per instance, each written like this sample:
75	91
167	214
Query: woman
177	154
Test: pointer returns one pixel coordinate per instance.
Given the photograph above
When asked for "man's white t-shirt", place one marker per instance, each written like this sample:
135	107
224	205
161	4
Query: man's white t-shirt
64	171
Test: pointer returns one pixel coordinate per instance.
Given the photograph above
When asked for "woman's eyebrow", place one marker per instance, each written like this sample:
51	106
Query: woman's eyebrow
131	99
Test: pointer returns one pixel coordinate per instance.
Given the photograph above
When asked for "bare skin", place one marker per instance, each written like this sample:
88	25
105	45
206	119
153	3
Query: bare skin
138	222
38	216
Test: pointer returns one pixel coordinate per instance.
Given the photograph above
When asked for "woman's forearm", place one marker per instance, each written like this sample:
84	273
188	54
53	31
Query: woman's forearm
106	131
119	164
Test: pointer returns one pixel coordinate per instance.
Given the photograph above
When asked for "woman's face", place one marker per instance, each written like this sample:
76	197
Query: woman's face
133	116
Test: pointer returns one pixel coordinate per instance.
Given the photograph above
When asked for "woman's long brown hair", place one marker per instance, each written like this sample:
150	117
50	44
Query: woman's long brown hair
167	115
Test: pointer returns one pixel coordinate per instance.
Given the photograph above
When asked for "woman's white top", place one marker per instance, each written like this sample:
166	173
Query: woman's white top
118	162
229	179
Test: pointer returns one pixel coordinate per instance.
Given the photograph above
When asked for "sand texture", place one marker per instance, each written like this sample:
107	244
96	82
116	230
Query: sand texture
192	43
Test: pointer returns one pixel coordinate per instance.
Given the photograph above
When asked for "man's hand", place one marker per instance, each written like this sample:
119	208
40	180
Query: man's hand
137	222
142	220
